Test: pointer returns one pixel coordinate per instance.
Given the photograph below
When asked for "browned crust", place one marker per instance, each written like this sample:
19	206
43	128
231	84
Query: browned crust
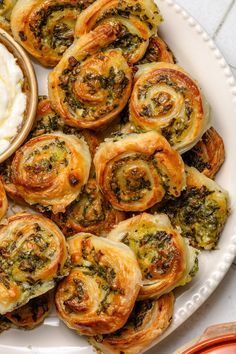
208	154
158	51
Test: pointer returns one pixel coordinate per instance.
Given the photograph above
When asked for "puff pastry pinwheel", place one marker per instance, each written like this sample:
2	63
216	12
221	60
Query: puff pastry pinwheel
99	294
33	313
164	256
6	179
148	320
46	28
33	256
6	7
201	211
165	98
48	121
90	213
136	171
3	201
138	19
50	170
157	51
208	155
91	85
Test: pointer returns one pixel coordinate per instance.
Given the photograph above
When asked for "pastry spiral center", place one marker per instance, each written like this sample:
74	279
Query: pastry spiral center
155	251
27	252
95	87
53	23
89	211
46	161
132	177
160	101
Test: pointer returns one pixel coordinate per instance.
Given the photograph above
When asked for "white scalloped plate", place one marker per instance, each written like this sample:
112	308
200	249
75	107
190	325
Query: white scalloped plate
197	53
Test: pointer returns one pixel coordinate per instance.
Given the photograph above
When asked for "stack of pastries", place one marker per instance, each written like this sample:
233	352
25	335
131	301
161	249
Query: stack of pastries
117	171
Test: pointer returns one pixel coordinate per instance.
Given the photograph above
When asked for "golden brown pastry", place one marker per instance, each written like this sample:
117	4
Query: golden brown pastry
6	179
157	51
91	84
148	320
136	171
90	213
33	313
33	255
46	28
165	98
6	7
208	155
201	211
51	169
138	19
3	201
165	258
48	121
98	295
30	315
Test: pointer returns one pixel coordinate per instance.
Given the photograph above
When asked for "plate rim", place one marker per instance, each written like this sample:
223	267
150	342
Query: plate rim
213	281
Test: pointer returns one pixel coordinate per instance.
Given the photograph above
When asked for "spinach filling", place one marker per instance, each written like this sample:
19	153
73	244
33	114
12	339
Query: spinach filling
198	215
137	183
154	250
114	84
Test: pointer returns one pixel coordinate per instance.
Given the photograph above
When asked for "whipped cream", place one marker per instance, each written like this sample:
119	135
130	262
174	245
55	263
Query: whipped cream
12	98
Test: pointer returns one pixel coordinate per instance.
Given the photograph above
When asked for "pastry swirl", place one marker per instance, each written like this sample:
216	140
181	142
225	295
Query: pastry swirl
90	213
33	313
148	320
51	169
164	257
33	256
208	155
136	171
138	19
91	84
48	121
157	51
6	179
165	98
6	7
201	211
98	295
46	28
3	201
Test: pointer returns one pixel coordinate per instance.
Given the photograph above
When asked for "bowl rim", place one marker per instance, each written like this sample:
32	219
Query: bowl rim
29	73
212	343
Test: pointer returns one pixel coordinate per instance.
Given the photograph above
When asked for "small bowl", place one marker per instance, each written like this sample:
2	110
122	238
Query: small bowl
225	344
30	88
